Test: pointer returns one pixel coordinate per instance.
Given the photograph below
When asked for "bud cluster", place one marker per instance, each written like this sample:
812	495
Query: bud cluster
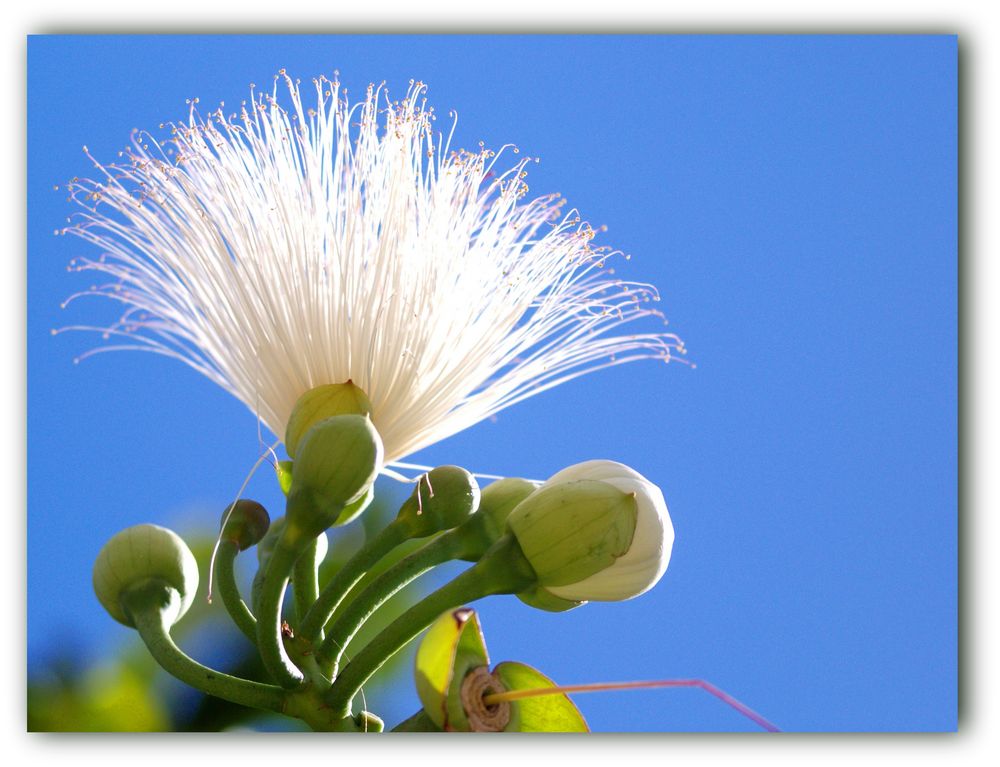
595	531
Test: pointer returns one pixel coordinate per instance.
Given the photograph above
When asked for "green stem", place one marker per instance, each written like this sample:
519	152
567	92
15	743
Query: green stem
271	596
347	578
146	608
305	580
307	704
225	568
502	570
447	547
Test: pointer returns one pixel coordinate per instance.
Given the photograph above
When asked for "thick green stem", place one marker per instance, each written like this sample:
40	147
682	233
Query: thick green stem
146	607
447	547
347	578
269	629
502	570
225	568
305	580
307	704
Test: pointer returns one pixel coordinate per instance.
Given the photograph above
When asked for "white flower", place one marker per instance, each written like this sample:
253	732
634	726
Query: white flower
280	248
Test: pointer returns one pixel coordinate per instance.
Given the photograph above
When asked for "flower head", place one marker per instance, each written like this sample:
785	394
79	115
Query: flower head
284	246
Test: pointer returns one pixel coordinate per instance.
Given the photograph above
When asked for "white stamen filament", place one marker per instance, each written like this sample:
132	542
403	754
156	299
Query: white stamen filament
288	247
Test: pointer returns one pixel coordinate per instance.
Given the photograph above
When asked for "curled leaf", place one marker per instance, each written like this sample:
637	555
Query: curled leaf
452	646
545	713
454	684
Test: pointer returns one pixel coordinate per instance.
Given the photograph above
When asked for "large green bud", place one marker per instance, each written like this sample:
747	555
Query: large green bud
138	556
443	498
321	403
596	531
334	470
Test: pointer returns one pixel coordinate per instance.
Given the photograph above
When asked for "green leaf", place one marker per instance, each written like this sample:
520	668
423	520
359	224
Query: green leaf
108	698
452	645
545	713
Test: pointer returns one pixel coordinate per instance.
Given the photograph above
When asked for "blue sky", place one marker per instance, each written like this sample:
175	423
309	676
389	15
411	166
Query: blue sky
794	199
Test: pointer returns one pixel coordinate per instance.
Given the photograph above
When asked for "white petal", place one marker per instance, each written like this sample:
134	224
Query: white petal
596	469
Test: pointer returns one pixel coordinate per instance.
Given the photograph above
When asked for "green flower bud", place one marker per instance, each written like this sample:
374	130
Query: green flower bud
135	557
337	462
499	499
570	531
321	403
245	523
596	531
443	498
484	528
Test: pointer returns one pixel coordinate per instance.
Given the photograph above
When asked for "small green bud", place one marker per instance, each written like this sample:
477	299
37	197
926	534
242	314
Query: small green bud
337	462
321	403
596	531
138	555
443	498
245	523
488	525
499	499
